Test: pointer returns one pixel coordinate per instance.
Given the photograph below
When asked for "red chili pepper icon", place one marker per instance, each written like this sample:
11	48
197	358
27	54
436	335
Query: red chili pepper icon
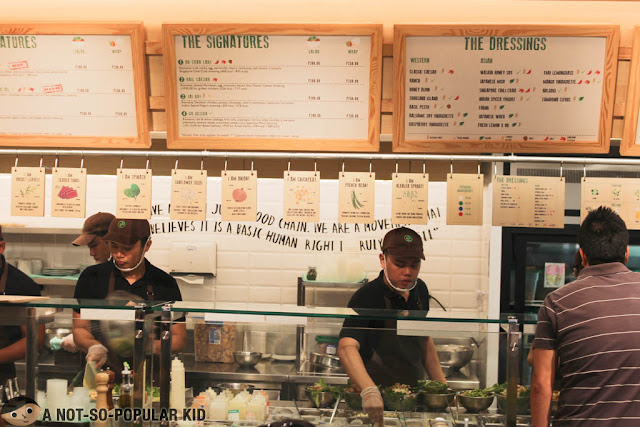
597	71
456	98
450	71
521	90
224	62
589	73
587	81
215	79
562	138
528	90
529	72
580	82
546	139
217	61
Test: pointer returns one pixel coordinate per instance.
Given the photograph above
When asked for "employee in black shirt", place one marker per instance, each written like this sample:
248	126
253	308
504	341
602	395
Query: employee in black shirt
129	271
13	341
371	351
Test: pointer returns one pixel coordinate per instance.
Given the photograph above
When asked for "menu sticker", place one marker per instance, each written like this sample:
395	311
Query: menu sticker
465	198
239	195
553	274
409	198
356	197
301	196
520	201
188	194
622	195
27	191
69	192
133	199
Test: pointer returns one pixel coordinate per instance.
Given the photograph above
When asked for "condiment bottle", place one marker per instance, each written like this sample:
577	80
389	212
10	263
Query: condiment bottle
177	396
220	408
237	408
126	390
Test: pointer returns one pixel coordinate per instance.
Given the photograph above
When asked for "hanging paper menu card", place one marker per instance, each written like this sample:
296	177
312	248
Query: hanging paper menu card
494	88
73	85
27	191
134	193
301	196
68	198
239	195
409	198
620	194
279	87
465	199
188	194
356	197
522	201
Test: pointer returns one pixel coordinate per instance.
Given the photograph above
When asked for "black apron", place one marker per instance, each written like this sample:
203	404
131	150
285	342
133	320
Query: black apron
7	370
114	361
396	358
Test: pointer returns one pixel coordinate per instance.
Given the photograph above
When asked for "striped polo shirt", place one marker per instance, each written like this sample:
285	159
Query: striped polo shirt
593	324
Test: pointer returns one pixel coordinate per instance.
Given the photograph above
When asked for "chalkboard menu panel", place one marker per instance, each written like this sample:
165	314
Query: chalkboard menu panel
273	87
73	85
630	145
504	88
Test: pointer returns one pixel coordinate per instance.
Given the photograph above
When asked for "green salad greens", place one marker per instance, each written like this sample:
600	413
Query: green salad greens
432	387
322	387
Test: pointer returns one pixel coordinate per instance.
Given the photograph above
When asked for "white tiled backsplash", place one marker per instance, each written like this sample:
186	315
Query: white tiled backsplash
256	270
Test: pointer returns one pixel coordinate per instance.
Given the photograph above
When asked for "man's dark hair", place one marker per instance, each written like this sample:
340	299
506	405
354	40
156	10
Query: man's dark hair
603	237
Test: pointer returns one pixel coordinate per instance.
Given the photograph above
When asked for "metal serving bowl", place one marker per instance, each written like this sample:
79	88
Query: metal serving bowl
454	355
436	402
400	402
320	399
236	388
354	401
522	404
475	404
247	358
326	360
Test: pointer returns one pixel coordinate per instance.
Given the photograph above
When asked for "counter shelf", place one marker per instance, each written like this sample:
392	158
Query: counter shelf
281	321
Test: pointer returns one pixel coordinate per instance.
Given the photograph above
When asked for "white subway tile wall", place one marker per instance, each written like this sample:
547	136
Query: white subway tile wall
258	269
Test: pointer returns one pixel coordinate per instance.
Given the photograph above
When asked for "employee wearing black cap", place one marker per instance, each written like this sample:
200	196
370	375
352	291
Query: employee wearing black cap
371	351
94	229
129	271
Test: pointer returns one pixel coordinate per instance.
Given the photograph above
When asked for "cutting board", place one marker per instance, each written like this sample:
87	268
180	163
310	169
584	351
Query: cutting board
20	298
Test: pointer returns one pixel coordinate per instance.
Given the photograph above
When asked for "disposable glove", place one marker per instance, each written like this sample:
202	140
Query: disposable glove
69	344
373	405
98	354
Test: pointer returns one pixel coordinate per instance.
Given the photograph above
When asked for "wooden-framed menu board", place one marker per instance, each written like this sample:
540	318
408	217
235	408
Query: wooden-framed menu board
630	145
504	88
73	85
307	87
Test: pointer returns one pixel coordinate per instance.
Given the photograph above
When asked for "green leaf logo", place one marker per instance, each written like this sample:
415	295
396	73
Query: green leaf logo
122	224
132	191
408	238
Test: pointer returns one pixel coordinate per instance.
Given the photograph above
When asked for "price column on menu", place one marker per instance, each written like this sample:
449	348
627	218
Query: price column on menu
68	85
273	86
491	92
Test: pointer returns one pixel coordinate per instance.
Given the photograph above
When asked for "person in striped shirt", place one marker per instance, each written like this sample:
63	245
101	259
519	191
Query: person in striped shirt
592	325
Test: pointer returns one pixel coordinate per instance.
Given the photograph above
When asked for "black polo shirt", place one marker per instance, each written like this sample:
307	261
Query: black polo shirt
93	283
18	283
372	296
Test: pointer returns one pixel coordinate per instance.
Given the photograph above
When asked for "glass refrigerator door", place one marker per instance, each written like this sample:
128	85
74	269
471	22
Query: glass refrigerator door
548	266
